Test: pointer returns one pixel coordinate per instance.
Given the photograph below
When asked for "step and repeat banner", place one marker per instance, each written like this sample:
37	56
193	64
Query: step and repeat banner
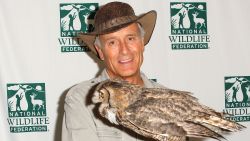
198	46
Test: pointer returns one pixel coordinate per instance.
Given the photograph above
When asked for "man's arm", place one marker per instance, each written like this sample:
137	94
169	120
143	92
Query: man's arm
77	122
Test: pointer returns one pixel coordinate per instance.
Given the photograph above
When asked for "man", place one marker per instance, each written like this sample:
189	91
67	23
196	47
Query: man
118	39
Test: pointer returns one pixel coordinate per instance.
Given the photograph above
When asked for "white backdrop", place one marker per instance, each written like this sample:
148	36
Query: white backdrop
31	60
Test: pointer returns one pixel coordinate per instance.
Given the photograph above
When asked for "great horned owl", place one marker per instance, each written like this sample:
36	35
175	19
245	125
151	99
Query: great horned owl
161	114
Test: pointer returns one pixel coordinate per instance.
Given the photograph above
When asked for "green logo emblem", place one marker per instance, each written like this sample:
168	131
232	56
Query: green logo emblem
27	107
237	98
75	18
189	25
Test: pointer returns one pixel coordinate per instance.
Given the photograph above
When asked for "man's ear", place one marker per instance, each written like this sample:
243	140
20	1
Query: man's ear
143	48
99	51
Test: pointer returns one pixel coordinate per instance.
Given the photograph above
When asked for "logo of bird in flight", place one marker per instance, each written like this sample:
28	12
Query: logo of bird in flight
237	98
26	97
76	18
237	89
189	16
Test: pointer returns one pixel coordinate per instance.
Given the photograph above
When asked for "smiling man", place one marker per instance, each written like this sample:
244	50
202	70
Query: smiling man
122	53
118	39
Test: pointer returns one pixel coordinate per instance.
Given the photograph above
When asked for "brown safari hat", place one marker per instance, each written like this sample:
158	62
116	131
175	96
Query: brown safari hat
114	16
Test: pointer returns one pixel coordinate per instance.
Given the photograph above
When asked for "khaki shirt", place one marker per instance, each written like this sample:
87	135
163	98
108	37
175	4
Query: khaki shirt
81	121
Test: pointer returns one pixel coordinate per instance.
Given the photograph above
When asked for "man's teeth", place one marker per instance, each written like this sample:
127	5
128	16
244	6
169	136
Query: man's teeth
125	61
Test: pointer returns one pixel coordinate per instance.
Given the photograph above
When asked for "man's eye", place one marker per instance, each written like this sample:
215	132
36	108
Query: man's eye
131	38
111	43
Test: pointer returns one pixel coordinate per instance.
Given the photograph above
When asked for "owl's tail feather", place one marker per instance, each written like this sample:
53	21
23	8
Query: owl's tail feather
198	130
222	123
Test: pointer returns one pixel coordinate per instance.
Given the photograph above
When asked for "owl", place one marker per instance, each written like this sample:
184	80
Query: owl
158	113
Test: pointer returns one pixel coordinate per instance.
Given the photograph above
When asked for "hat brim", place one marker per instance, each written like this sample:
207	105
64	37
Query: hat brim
146	20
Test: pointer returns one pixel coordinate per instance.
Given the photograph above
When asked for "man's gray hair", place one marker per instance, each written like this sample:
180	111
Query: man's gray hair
141	30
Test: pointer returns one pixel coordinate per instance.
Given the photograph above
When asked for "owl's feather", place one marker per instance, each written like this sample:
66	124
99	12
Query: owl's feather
162	114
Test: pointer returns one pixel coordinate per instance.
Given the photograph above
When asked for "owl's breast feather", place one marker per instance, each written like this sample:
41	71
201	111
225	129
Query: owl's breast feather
111	115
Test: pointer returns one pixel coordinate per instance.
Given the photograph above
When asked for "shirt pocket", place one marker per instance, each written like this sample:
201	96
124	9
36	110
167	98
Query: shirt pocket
108	134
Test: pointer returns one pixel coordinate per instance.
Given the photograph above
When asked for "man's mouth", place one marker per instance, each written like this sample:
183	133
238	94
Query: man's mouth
125	61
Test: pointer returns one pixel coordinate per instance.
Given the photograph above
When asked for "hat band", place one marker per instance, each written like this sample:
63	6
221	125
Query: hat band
114	22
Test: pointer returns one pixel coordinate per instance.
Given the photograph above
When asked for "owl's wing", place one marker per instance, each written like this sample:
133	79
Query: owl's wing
168	119
184	96
167	94
146	121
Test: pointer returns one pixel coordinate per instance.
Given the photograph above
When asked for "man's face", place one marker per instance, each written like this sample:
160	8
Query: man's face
122	51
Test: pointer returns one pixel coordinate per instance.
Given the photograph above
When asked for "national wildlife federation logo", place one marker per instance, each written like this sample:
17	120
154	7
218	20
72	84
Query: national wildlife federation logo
189	25
27	107
237	98
74	19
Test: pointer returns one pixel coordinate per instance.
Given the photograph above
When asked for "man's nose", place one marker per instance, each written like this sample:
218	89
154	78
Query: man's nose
124	48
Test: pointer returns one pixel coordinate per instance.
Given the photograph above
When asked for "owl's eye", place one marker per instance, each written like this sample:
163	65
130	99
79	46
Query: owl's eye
101	96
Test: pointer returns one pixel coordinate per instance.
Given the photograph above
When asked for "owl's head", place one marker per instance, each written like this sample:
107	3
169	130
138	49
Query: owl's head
101	94
112	92
104	90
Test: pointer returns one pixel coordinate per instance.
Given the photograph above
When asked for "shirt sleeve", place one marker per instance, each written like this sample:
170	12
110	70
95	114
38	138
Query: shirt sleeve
77	123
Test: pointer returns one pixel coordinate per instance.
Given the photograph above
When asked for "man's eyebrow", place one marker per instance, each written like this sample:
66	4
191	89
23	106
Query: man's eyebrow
133	34
109	38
